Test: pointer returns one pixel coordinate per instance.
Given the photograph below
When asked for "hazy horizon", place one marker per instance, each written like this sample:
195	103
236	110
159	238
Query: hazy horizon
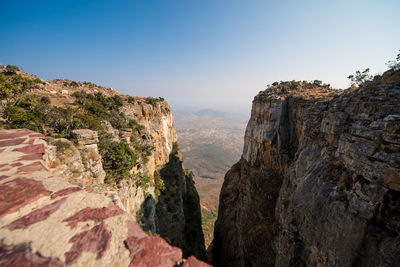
205	54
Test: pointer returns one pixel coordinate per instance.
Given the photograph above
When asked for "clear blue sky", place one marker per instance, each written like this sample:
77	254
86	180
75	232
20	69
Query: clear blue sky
211	53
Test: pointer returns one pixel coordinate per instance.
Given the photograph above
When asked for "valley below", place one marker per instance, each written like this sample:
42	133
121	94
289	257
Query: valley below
210	142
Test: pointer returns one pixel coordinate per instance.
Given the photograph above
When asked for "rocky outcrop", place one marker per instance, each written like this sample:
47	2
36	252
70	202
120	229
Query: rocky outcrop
78	160
104	141
318	181
47	221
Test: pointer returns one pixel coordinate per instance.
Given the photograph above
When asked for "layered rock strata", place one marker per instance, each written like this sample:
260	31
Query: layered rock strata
318	181
47	221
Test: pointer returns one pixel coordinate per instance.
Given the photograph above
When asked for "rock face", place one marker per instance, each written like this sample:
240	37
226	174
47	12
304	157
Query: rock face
78	160
106	142
47	221
318	181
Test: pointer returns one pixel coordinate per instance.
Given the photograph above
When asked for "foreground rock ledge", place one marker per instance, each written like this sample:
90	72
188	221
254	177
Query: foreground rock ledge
46	221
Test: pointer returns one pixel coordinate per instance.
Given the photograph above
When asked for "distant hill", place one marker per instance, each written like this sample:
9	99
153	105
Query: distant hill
211	113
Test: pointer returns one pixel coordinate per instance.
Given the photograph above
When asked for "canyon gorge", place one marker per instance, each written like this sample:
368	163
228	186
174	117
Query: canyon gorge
93	177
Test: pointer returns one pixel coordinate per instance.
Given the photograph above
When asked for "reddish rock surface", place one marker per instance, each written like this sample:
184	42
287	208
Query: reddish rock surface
50	223
12	142
31	157
65	191
17	193
11	134
36	166
93	214
152	251
193	262
36	216
31	149
16	164
21	255
95	240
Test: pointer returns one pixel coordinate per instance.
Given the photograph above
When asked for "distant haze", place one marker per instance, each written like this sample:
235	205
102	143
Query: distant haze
208	54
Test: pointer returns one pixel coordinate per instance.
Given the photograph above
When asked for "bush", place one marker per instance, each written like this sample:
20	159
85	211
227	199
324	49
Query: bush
360	78
118	159
12	69
131	100
11	86
153	101
142	180
394	64
317	82
158	184
134	125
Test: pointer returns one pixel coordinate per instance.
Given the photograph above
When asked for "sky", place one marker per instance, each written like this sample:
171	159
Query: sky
199	53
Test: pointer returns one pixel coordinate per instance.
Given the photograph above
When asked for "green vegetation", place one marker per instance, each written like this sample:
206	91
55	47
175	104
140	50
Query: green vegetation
208	218
142	180
12	69
284	88
359	78
22	109
394	64
13	85
131	100
135	125
153	100
159	186
30	111
118	158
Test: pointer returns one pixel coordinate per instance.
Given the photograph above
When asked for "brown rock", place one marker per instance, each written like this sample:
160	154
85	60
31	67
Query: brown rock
17	193
21	255
65	191
95	240
93	214
36	215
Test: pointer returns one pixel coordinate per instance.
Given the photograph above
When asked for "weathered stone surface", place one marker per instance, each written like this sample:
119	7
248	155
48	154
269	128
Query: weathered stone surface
12	142
65	191
93	214
85	136
96	240
81	163
36	215
31	149
19	192
35	166
35	229
318	183
138	245
192	262
21	255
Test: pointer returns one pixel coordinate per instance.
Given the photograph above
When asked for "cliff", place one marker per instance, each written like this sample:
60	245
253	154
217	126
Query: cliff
111	144
318	183
46	221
